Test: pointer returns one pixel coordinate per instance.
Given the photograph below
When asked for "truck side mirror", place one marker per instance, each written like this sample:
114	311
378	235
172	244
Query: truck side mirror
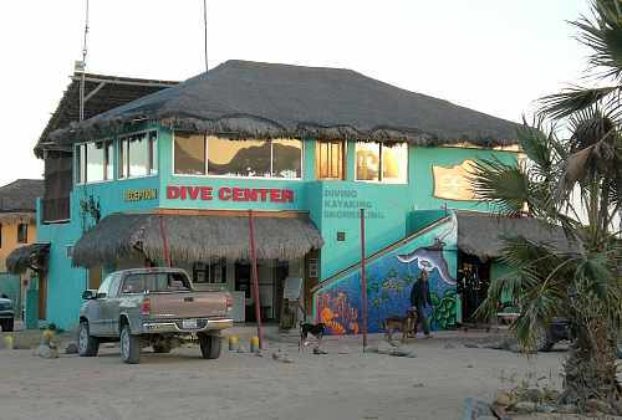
89	295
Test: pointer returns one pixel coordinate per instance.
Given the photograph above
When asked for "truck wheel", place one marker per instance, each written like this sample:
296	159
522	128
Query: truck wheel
130	346
87	345
210	345
162	348
8	325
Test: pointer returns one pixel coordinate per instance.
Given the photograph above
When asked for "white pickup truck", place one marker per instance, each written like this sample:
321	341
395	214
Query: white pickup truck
155	307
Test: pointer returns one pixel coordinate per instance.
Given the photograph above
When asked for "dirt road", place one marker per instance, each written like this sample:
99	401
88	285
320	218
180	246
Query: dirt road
180	385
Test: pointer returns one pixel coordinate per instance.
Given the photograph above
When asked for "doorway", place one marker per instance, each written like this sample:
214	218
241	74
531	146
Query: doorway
473	283
271	276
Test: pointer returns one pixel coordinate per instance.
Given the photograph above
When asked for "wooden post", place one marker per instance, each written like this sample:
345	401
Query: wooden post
165	250
363	280
255	279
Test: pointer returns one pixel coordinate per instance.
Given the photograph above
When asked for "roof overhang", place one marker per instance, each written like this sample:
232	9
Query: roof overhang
195	237
32	256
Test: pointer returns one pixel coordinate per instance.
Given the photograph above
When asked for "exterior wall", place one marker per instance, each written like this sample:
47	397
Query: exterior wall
390	278
392	211
9	240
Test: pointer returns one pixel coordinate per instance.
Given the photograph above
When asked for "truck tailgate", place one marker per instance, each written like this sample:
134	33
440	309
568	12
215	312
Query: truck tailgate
188	304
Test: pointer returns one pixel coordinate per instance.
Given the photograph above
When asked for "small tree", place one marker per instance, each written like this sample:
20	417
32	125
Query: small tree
574	184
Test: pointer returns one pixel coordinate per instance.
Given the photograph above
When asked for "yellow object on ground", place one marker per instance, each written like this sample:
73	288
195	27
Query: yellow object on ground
254	344
8	342
234	341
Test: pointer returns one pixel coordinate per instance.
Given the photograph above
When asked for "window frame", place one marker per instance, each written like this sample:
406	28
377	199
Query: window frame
380	179
267	178
20	239
344	160
80	161
123	153
206	269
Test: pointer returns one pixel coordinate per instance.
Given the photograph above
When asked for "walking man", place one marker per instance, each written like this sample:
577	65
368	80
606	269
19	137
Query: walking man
419	299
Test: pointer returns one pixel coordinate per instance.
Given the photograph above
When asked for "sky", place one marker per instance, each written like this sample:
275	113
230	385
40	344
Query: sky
493	56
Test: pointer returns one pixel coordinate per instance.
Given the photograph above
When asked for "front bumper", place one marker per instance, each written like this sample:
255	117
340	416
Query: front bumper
164	326
7	314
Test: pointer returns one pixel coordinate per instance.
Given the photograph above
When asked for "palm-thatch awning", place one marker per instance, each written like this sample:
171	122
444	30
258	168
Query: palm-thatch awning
194	238
483	234
33	256
262	100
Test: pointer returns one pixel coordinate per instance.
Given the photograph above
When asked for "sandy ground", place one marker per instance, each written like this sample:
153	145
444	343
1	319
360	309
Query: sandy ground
344	384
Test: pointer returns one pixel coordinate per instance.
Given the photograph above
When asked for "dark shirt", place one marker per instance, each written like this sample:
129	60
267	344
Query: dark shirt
420	294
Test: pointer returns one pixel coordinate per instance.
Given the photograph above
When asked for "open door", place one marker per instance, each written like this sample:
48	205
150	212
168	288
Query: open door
43	296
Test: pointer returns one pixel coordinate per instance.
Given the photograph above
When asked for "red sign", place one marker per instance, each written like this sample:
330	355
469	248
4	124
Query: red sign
188	192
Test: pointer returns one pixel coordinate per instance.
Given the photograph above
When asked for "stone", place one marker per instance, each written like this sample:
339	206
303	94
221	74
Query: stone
46	352
449	346
532	394
418	385
385	348
475	408
403	352
567	409
470	366
524	407
599	406
71	348
545	408
241	349
471	345
503	399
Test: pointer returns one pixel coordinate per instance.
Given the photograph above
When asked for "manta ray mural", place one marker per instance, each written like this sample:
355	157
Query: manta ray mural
390	277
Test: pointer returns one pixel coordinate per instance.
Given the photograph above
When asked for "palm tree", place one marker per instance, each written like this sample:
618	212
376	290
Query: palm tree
574	184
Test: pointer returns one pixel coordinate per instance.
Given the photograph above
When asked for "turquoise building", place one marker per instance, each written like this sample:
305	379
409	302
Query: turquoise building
171	177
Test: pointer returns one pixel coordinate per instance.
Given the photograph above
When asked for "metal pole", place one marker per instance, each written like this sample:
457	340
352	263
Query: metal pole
205	32
251	233
363	280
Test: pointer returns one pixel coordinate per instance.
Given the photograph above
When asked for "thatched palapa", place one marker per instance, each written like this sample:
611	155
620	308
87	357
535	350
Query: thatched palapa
483	234
261	100
194	238
33	256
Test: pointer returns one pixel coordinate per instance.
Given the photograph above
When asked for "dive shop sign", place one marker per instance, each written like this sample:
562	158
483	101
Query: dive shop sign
206	193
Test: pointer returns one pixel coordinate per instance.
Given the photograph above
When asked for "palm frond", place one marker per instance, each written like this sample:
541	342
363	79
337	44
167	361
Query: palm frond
506	186
575	99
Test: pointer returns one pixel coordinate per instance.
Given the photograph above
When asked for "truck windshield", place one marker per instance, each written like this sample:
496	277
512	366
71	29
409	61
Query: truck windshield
155	282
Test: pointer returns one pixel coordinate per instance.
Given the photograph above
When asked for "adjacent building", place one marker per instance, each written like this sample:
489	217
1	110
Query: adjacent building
18	229
174	176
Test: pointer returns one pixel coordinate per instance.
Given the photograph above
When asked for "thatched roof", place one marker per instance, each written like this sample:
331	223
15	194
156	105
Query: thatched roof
33	256
482	234
20	196
194	238
103	93
262	100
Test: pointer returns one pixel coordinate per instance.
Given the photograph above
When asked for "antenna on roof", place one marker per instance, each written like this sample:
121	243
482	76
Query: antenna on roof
205	31
80	66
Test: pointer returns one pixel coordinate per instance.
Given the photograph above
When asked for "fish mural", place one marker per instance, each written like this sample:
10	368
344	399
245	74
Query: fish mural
390	278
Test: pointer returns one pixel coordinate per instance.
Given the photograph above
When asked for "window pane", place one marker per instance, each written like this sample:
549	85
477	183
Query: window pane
94	162
122	172
287	158
238	157
367	161
108	158
189	154
153	149
22	233
329	159
395	163
138	155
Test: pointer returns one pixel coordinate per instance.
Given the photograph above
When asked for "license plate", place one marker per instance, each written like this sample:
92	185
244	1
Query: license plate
189	323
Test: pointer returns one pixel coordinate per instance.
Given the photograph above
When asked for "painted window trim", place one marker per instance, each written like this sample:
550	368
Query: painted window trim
259	178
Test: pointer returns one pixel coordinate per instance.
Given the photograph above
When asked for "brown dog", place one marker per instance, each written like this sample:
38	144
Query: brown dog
404	324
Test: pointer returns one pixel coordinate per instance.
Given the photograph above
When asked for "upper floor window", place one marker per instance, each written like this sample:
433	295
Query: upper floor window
381	162
94	162
196	154
329	159
22	233
138	155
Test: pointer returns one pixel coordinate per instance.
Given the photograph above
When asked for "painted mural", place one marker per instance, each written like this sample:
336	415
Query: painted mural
391	275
